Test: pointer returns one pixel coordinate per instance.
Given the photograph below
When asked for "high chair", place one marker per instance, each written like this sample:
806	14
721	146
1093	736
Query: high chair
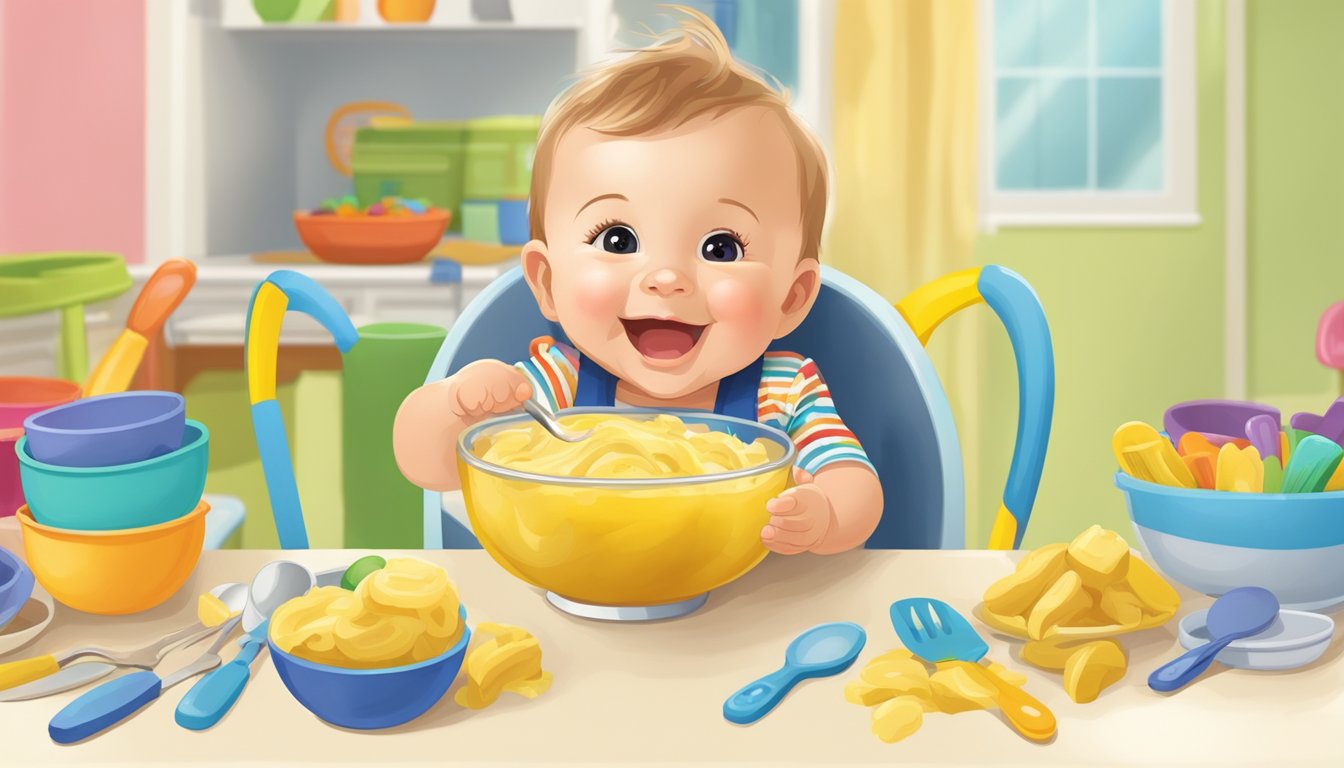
883	383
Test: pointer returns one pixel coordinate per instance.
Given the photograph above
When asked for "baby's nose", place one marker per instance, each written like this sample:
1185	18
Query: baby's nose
666	282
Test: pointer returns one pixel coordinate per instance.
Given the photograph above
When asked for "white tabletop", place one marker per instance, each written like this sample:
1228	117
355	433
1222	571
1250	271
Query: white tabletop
627	694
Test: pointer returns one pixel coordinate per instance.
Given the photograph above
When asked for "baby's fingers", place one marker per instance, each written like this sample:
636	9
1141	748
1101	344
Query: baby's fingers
782	542
794	523
783	504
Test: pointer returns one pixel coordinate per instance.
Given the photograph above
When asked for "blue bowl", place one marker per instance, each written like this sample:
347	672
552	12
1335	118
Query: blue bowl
135	495
368	699
1214	541
16	586
107	430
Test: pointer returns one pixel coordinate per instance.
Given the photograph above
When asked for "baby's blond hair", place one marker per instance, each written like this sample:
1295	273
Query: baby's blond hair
686	75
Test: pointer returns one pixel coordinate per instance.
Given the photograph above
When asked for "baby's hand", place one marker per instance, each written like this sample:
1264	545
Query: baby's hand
800	517
486	387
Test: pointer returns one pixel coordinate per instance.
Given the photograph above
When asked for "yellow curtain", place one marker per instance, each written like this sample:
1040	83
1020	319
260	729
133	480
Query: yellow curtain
904	149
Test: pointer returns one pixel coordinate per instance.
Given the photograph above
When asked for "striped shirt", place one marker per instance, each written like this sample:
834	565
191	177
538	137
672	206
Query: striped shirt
792	397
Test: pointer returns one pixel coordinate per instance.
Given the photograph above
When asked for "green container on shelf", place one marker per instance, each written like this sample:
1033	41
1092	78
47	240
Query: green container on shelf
499	157
418	160
383	510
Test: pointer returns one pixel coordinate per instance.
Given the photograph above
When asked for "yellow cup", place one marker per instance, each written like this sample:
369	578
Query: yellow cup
114	572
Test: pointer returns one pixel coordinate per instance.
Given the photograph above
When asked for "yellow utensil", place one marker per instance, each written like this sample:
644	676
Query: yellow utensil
162	294
1145	454
1240	470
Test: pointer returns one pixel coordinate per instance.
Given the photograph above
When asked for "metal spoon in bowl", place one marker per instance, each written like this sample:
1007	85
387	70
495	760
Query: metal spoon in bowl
552	424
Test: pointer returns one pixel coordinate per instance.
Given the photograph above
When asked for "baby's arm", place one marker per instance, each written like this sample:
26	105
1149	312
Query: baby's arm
424	436
837	500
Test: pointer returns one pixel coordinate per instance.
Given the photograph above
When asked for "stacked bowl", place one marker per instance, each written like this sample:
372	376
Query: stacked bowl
114	521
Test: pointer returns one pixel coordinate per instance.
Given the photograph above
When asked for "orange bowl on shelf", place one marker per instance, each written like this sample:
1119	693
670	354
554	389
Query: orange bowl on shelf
114	572
371	239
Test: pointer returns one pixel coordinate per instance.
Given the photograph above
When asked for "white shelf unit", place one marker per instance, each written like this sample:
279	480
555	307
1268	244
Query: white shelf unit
237	107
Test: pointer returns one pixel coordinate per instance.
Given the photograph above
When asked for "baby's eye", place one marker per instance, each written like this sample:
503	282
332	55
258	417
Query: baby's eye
721	247
617	238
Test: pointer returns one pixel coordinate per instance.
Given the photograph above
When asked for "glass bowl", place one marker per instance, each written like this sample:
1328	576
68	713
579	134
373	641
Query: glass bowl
624	548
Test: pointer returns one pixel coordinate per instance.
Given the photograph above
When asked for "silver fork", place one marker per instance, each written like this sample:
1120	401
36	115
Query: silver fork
146	657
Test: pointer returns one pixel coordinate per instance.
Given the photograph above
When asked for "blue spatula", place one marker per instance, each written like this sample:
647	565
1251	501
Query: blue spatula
936	633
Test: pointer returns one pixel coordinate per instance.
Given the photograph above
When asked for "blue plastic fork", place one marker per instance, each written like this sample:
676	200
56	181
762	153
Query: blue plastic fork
936	633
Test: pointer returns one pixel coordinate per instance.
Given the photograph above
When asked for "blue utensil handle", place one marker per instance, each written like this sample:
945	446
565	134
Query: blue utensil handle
1180	671
104	706
215	694
754	700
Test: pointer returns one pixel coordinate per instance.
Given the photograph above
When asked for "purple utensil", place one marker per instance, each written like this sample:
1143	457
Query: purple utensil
1306	422
108	430
1332	422
1219	420
1263	432
1242	612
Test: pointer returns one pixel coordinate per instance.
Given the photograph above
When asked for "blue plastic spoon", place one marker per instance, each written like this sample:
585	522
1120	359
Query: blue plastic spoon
822	651
1243	612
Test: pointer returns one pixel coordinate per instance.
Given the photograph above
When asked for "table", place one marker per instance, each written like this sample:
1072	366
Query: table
635	693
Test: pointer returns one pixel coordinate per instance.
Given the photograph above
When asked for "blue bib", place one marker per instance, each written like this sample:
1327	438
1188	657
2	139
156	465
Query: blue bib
736	396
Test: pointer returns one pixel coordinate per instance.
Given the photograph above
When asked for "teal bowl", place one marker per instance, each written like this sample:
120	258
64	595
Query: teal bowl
135	495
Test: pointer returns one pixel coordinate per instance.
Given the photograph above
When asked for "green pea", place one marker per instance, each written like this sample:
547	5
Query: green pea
360	569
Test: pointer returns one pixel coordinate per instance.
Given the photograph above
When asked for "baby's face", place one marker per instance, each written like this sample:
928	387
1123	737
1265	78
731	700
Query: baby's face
672	259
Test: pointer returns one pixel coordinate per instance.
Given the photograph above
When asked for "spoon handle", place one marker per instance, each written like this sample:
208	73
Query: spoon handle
104	706
754	700
1178	672
1028	716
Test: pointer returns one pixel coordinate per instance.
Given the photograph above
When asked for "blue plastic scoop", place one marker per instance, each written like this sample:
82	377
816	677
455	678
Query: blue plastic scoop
1243	612
822	651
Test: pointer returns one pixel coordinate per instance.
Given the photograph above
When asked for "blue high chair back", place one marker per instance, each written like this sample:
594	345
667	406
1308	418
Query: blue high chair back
883	383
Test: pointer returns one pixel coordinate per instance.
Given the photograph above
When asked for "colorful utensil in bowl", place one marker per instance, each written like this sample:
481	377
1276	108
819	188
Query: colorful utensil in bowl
108	430
1147	455
1218	420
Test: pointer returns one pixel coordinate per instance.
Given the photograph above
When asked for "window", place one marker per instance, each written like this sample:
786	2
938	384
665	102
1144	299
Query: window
1088	113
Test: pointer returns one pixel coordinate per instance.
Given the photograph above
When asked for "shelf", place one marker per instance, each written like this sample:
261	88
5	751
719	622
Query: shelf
430	27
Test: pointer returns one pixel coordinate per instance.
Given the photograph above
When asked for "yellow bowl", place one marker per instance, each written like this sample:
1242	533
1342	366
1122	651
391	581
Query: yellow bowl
114	572
624	542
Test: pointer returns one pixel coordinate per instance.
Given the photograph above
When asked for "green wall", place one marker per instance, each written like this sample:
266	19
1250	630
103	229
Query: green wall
1296	198
1136	317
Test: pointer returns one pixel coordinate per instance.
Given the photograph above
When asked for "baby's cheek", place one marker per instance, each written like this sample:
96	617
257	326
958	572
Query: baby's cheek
595	292
740	306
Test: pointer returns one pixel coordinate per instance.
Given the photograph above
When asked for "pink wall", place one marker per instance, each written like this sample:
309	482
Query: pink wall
72	126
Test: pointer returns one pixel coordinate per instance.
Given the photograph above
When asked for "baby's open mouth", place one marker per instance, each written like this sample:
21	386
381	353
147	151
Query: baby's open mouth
662	339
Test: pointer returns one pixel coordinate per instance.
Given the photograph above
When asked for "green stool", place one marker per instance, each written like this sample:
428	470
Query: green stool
43	282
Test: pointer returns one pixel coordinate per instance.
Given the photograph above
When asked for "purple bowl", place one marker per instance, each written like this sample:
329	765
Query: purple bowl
107	430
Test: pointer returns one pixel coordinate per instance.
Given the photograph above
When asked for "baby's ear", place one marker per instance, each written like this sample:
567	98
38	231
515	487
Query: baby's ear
801	296
537	272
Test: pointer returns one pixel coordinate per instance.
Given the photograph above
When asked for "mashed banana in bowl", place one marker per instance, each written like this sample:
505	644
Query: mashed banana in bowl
654	508
625	447
404	613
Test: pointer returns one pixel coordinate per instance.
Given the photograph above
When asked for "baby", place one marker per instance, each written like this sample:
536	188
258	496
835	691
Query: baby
677	206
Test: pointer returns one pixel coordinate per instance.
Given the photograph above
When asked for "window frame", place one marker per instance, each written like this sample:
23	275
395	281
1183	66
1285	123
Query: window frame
1175	205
